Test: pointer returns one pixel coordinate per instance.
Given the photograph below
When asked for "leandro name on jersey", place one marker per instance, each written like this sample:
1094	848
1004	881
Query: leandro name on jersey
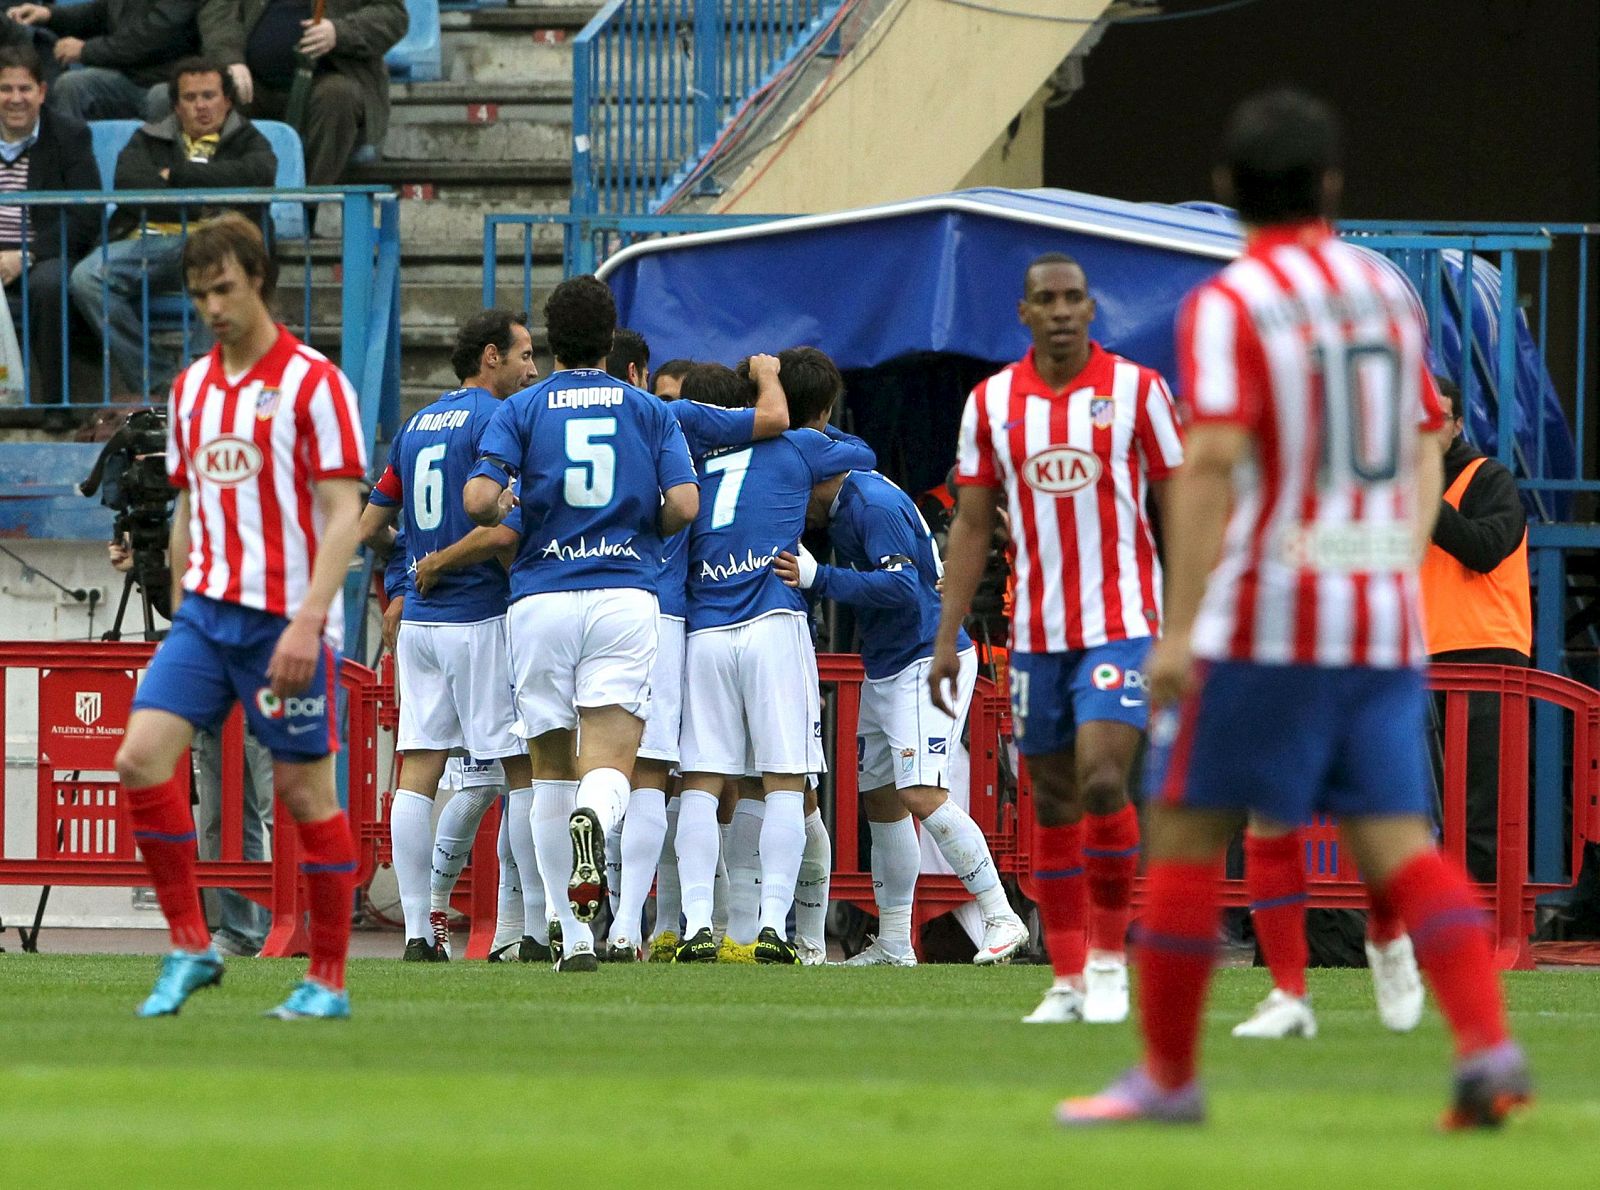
752	506
890	573
593	457
429	462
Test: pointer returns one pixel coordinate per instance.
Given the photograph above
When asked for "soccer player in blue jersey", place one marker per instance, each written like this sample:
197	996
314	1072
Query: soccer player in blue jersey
908	749
751	690
715	412
450	652
604	477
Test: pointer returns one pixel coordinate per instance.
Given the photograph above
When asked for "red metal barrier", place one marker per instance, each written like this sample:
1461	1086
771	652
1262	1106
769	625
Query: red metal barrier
81	839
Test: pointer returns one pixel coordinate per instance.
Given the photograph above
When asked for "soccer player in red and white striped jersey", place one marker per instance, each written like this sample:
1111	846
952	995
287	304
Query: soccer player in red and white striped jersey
1292	649
265	448
1075	439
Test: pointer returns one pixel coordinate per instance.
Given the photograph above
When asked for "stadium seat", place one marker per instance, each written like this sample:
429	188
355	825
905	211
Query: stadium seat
288	218
109	138
417	58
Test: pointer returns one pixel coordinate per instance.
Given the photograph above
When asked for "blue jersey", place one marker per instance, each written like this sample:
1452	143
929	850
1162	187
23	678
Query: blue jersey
432	456
705	429
397	570
889	574
752	507
594	454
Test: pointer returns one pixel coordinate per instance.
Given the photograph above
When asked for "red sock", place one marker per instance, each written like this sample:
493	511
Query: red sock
328	862
1275	878
1383	922
1063	896
1110	859
163	829
1450	933
1177	945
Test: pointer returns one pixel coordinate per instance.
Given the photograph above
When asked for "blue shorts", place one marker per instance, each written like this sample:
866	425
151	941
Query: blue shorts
1053	693
1291	741
216	654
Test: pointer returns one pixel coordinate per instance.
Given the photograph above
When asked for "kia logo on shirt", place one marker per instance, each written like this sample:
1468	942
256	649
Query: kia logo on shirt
228	460
1061	470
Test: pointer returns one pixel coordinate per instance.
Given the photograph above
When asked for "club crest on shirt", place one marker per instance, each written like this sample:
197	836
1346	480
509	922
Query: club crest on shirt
1102	412
267	403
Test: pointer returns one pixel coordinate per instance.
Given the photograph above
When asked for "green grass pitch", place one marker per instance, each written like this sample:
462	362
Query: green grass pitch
657	1076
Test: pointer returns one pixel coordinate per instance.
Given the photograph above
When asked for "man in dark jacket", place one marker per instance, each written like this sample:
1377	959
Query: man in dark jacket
349	102
121	47
1476	607
40	150
205	144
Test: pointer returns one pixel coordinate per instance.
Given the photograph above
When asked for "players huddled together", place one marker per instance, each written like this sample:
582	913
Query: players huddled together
601	612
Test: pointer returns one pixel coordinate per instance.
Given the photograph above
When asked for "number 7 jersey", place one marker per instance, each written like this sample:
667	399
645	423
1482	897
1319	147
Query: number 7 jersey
594	455
1316	350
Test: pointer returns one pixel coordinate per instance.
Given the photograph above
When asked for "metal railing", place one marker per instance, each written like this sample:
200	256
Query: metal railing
655	82
146	295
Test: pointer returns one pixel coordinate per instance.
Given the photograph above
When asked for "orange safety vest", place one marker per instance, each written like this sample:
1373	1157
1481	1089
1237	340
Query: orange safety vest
1462	609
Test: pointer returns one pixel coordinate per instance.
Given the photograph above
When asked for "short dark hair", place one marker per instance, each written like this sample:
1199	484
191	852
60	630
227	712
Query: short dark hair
196	64
1048	258
208	246
1451	392
22	56
673	369
486	328
627	347
580	317
715	384
1277	148
810	381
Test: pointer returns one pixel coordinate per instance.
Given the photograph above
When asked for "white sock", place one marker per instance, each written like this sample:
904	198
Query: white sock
453	838
966	850
605	791
697	858
719	885
508	911
411	842
783	843
614	868
744	870
669	902
643	829
895	862
811	890
552	842
519	814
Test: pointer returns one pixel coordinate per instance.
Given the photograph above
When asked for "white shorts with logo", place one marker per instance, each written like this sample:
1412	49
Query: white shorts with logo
466	772
572	649
455	689
751	691
903	739
661	727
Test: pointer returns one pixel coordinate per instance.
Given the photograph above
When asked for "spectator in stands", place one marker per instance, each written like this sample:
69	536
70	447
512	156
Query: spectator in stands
1476	607
121	48
349	102
40	150
205	144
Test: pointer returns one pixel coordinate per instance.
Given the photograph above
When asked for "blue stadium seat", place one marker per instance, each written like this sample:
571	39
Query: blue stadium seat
288	218
417	58
109	138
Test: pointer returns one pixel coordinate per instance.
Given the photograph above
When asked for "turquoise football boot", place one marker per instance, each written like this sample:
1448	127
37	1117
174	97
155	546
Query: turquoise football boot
311	1000
183	972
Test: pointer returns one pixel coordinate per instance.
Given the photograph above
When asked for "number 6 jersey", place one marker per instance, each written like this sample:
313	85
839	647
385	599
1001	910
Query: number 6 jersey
594	454
1317	352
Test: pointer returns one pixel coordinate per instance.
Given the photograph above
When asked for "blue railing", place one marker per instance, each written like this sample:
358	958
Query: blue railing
369	279
656	84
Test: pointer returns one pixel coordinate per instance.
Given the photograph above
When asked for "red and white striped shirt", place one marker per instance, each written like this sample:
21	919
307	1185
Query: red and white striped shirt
1076	467
1317	351
249	451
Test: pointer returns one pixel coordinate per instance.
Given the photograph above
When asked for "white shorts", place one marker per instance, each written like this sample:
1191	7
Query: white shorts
660	740
751	691
903	739
455	689
465	772
572	649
